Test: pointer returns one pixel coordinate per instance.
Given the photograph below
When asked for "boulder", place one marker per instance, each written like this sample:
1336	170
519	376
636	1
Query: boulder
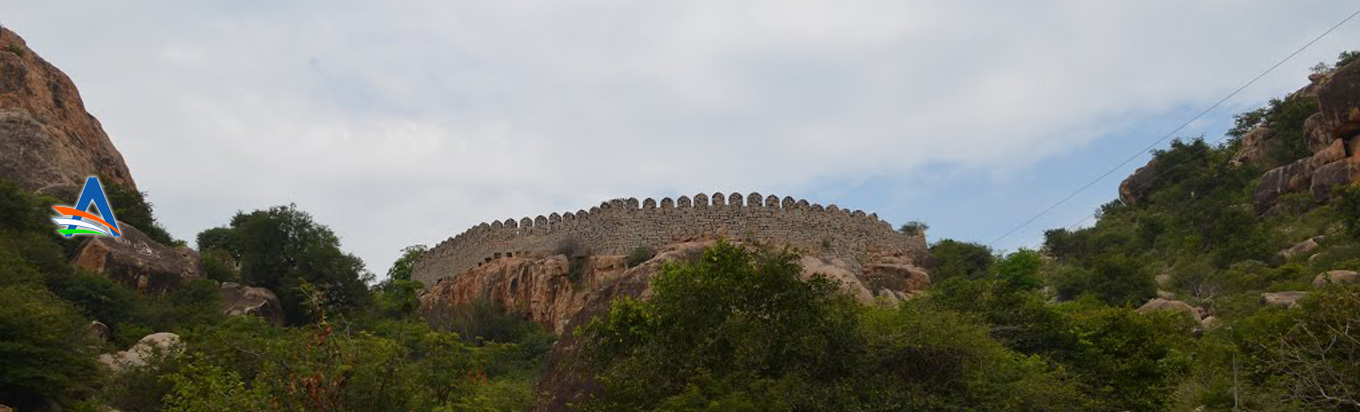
1209	322
1175	305
138	262
1138	185
1295	177
1162	294
51	143
1288	299
1302	248
238	299
1335	277
1339	102
1317	136
1333	174
149	348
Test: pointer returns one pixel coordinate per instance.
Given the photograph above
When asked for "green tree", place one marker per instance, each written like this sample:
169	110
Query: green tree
401	269
282	249
951	258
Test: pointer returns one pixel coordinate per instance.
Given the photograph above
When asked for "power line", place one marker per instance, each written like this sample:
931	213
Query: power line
1174	131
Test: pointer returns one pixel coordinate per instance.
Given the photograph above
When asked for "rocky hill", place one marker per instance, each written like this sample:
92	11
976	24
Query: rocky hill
1321	119
51	143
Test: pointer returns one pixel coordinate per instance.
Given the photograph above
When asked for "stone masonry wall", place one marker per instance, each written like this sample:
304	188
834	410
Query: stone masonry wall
617	227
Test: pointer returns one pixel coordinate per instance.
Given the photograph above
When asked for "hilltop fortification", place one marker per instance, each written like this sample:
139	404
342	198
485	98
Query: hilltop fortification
619	226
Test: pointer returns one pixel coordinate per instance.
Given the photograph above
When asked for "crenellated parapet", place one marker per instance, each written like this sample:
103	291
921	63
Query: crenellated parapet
618	226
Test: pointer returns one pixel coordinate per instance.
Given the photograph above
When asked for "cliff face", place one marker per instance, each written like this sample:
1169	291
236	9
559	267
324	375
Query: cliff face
51	144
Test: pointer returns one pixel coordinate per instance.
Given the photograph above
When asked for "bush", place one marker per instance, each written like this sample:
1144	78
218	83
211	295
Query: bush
45	351
640	255
913	228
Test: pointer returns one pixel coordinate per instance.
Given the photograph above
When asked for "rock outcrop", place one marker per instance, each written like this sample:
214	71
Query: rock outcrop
1139	184
51	144
1329	134
1339	100
138	262
242	300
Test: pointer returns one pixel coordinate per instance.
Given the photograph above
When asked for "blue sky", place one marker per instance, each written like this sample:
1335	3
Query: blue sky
970	116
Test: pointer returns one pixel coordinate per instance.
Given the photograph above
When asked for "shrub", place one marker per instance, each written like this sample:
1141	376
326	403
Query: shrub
913	228
640	255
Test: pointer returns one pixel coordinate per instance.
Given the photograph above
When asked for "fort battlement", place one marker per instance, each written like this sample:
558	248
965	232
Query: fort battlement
619	226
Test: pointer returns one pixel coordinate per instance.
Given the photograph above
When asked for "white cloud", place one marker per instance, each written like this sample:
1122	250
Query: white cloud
370	114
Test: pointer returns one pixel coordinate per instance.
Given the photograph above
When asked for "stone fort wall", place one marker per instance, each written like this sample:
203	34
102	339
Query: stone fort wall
617	227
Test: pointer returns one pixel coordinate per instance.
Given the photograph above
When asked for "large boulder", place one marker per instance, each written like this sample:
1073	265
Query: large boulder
1291	178
1139	184
148	349
1339	100
238	299
1288	299
1335	277
138	262
51	144
1330	175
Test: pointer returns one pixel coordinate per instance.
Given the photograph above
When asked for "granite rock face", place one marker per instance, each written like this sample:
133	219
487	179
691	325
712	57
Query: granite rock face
51	143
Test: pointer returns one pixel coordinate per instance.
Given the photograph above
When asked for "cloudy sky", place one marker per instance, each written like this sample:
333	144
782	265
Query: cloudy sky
971	116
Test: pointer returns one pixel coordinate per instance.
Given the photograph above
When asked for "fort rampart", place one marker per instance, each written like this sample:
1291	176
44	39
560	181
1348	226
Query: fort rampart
619	226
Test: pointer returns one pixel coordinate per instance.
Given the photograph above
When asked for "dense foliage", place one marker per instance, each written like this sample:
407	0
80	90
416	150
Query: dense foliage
284	250
768	340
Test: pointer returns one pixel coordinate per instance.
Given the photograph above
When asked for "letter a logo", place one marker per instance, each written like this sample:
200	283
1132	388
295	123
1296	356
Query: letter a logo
105	224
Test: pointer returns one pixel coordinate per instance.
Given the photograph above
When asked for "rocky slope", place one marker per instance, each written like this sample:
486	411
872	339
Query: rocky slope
51	143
